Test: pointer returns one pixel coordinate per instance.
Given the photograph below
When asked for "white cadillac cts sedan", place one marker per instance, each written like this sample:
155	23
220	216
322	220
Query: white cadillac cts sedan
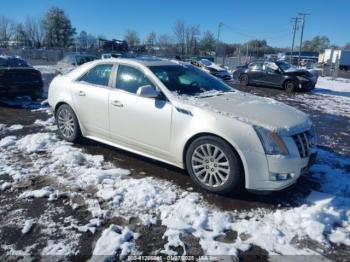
178	114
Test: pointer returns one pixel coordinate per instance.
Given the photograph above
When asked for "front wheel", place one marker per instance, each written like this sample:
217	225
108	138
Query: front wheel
290	86
244	80
213	164
67	123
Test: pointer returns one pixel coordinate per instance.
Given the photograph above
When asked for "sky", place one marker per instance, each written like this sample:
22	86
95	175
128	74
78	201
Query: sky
243	20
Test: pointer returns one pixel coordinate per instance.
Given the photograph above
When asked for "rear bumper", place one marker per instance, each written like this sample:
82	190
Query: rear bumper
21	89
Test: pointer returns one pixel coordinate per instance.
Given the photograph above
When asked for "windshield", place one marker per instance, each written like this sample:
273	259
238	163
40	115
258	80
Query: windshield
188	80
285	66
206	62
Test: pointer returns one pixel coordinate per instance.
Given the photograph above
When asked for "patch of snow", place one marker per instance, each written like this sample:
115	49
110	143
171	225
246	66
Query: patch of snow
15	127
4	186
39	193
113	239
8	141
28	224
57	248
2	127
36	142
46	69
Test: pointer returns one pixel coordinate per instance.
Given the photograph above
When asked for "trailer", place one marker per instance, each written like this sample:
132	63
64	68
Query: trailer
330	56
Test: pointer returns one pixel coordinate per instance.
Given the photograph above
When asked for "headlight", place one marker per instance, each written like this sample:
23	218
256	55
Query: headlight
271	141
303	79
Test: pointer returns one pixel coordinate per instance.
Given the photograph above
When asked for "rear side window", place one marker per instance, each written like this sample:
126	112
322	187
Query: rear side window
99	75
15	62
255	66
130	79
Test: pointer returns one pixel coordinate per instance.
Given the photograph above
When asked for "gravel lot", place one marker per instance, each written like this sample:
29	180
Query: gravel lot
91	199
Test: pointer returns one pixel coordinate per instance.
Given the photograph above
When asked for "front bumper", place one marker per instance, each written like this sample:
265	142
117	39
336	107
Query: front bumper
272	167
307	85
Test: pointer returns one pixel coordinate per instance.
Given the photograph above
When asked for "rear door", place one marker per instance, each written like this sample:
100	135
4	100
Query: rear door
90	94
255	73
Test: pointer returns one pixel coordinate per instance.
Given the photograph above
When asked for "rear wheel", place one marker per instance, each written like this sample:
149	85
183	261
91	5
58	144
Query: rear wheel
290	86
213	164
67	123
244	80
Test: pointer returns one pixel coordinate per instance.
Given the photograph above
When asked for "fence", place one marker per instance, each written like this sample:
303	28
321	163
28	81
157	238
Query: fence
43	56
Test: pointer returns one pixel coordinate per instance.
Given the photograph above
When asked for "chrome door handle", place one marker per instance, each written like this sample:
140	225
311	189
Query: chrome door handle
81	93
117	103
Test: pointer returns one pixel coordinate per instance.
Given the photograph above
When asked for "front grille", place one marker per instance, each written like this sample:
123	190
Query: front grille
303	141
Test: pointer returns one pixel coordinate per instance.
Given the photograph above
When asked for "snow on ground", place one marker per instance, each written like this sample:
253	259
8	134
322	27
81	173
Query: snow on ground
15	127
46	69
329	96
324	216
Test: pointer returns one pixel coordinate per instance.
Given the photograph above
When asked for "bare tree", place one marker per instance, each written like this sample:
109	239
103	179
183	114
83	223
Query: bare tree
7	30
20	35
132	37
34	31
191	34
179	32
150	39
208	41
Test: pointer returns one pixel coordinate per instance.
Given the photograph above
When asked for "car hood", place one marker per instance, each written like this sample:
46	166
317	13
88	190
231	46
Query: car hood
298	72
216	67
264	112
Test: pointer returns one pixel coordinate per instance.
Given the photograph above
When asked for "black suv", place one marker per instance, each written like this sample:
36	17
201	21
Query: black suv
276	74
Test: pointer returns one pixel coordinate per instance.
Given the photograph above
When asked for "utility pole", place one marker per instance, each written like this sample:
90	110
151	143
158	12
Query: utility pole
295	21
247	53
217	41
302	17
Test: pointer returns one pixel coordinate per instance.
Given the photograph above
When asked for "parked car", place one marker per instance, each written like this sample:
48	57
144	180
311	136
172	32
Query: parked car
214	69
69	62
111	55
176	113
18	78
276	74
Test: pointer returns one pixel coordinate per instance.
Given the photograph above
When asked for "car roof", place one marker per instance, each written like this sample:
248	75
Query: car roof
147	61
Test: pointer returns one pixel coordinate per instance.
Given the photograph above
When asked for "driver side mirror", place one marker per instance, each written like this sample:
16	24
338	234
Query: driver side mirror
148	91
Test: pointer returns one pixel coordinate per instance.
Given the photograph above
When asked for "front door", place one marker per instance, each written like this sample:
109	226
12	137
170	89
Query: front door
138	121
272	76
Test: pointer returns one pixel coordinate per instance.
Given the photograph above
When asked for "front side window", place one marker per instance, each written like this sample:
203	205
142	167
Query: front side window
270	67
99	75
188	80
131	79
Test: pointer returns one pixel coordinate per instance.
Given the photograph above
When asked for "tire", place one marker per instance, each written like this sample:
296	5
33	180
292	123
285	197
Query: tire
204	170
67	124
244	80
290	86
36	96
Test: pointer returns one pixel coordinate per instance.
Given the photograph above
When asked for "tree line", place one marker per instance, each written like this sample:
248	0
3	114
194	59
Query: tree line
55	30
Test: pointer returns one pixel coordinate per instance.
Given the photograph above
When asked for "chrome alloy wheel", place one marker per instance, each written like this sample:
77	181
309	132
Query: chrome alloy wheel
210	165
66	122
